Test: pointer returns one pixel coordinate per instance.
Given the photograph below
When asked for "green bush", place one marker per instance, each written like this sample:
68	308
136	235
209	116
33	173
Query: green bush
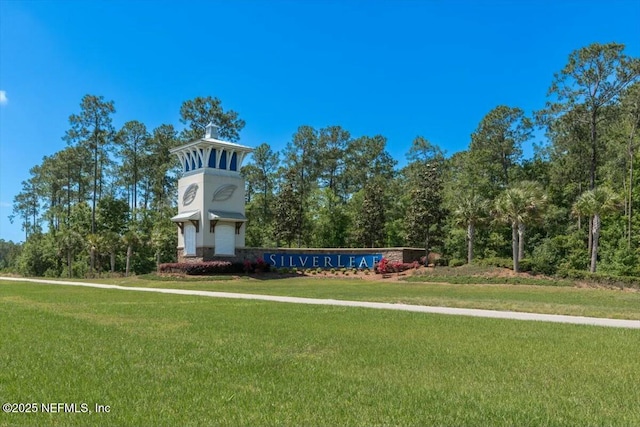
546	256
496	262
601	278
200	268
456	262
442	262
525	264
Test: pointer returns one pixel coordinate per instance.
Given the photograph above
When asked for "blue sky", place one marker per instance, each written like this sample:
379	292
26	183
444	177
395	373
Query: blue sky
396	68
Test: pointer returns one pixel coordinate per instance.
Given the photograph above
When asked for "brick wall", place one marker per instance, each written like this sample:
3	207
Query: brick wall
392	254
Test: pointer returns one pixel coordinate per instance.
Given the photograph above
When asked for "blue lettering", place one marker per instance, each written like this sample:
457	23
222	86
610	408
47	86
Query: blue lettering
307	260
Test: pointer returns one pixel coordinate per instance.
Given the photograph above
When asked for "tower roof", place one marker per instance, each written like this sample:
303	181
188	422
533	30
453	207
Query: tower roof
211	153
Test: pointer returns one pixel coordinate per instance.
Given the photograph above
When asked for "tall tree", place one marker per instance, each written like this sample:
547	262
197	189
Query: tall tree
286	210
517	206
536	203
497	145
267	163
597	203
369	223
630	134
333	142
26	205
469	210
197	113
92	128
594	78
9	252
164	239
133	142
425	213
568	156
423	151
366	159
330	219
302	158
161	168
260	175
424	173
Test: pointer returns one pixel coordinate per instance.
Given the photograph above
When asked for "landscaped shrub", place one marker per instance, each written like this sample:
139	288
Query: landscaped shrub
384	266
441	262
525	264
201	268
456	262
257	266
601	278
496	262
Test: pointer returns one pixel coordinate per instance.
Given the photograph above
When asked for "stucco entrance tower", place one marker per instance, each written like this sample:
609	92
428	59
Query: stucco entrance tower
211	216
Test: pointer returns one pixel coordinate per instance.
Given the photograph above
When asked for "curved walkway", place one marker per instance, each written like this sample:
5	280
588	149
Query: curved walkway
556	318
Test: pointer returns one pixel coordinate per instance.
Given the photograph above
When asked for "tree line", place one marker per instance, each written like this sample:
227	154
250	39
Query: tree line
104	202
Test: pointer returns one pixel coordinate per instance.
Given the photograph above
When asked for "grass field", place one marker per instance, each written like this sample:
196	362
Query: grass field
181	360
593	302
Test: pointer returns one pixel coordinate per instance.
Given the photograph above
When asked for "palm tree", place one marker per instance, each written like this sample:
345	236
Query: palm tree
111	243
597	203
468	212
93	244
130	239
536	203
69	242
519	206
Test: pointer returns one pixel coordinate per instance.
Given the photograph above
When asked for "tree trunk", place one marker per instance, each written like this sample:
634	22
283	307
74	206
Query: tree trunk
521	231
426	246
129	253
590	243
471	232
630	212
69	263
594	148
596	238
95	185
514	247
92	260
113	261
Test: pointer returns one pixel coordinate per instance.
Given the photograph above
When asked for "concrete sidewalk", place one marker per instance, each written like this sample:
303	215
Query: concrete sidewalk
556	318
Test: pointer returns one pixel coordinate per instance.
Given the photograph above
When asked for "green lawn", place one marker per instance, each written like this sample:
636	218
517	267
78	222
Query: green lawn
612	303
182	360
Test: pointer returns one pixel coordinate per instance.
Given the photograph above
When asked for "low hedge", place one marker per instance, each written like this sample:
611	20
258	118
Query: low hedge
200	268
601	278
214	267
495	262
386	266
